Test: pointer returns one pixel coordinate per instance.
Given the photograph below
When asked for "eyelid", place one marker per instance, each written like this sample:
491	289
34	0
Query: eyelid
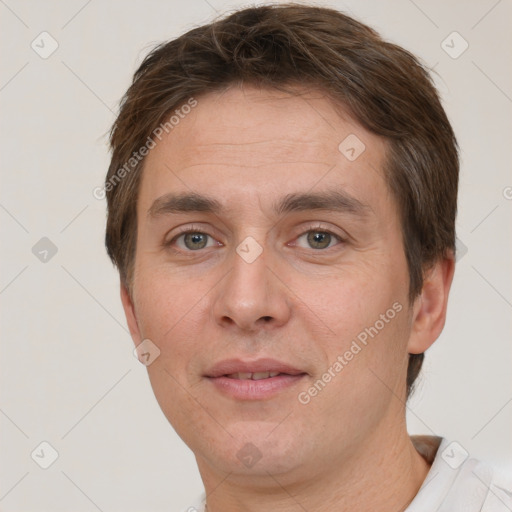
342	237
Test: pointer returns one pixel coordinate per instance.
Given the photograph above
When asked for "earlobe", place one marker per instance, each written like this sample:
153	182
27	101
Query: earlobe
131	318
429	310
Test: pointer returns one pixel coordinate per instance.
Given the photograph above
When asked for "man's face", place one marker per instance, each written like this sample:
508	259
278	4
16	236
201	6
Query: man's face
269	281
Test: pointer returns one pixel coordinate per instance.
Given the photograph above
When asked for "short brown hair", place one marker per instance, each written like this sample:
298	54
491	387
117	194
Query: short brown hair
384	87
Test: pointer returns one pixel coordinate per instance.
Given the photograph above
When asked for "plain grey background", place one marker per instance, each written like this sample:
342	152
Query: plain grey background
68	374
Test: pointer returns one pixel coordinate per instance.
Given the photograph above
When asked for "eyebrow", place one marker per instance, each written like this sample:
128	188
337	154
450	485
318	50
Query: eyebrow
334	200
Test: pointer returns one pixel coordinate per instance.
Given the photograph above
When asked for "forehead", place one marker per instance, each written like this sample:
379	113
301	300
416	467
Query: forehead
249	141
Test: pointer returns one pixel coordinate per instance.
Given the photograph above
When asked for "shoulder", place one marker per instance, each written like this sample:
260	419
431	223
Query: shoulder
458	482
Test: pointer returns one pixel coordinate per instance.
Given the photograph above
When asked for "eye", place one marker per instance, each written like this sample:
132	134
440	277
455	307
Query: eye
192	240
320	239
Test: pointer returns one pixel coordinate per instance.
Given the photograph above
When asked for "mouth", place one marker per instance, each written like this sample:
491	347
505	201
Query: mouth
254	376
253	380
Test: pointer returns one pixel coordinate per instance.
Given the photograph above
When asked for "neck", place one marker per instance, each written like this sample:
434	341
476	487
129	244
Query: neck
384	473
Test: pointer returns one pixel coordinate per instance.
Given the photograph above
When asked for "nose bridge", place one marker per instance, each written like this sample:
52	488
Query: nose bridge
247	282
250	295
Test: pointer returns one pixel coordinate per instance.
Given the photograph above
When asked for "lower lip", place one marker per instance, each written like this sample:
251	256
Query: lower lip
249	389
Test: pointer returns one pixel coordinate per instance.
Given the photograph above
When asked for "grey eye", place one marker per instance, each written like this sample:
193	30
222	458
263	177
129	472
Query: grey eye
319	239
194	241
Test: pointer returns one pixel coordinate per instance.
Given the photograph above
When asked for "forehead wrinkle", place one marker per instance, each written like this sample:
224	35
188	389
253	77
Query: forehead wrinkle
232	164
258	154
282	145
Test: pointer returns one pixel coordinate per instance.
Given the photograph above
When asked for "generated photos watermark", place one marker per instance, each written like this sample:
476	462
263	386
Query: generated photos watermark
137	156
357	345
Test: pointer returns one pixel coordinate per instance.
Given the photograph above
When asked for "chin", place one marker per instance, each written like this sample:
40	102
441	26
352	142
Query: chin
253	451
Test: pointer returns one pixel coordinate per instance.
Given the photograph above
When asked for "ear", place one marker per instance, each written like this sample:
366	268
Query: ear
131	318
429	310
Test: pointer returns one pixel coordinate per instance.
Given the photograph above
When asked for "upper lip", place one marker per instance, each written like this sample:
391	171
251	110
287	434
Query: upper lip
230	366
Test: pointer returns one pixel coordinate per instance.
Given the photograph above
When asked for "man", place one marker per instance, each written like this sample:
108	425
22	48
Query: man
281	208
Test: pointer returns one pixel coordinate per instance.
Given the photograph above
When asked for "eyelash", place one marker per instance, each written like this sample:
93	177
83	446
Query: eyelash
318	229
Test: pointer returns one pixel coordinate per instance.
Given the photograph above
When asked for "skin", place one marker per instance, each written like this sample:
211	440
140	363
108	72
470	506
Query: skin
348	448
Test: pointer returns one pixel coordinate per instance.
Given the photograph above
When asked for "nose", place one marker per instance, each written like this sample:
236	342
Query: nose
252	296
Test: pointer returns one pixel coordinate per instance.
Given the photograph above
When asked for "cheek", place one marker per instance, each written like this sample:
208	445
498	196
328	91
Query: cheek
172	312
365	309
168	310
352	298
165	300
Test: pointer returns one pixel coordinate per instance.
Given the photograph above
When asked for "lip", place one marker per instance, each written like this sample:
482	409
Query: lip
229	366
248	389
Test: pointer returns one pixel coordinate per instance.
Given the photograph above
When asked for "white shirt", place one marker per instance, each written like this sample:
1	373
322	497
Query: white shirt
455	482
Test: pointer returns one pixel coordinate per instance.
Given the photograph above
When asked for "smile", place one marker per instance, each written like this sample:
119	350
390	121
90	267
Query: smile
253	380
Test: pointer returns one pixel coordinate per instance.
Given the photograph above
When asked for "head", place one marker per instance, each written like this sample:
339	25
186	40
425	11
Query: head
296	135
